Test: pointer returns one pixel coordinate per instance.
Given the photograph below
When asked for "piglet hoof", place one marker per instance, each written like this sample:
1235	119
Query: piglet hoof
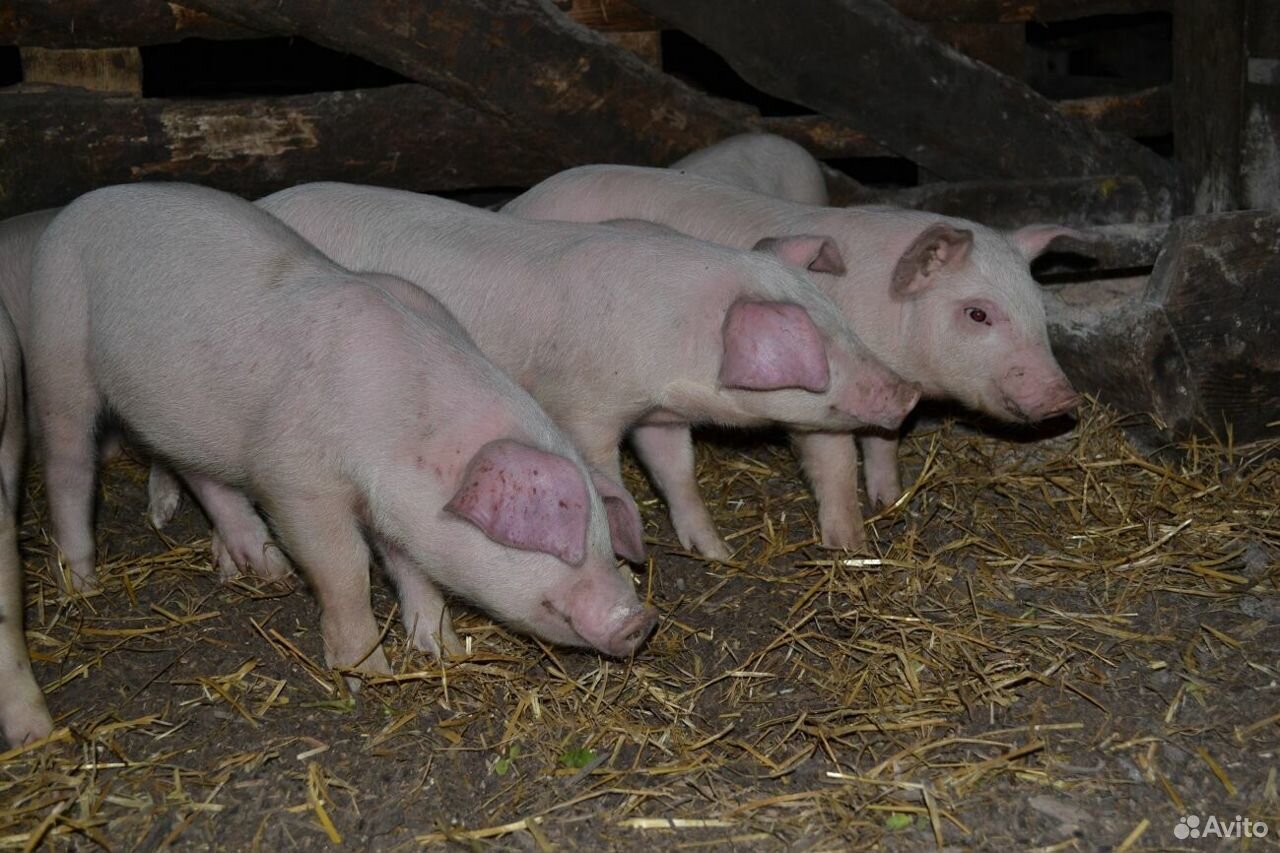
79	578
844	536
707	543
439	640
883	494
25	722
249	555
164	496
375	664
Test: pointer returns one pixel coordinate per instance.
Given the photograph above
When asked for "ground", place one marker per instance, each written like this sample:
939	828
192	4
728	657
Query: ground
1059	644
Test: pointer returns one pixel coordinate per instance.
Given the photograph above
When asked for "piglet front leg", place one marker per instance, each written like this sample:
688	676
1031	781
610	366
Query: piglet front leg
422	606
666	452
880	468
830	461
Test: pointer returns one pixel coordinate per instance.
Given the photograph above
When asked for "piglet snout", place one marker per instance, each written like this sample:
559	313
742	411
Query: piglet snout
629	632
1063	400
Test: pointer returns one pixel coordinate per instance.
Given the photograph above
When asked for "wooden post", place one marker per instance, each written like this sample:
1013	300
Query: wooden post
1208	100
1195	343
1260	149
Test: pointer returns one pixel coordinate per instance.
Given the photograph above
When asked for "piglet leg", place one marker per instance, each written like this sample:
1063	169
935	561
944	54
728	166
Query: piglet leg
321	532
23	716
240	541
422	607
667	454
830	461
70	471
880	468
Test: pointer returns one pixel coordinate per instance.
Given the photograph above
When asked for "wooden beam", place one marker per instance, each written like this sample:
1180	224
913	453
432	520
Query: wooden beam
406	136
1001	46
117	70
1145	113
577	97
1023	11
118	23
1010	204
609	15
1194	343
1208	100
956	118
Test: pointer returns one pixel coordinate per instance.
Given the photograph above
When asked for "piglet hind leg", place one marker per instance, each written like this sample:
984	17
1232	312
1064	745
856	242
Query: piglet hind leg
830	461
880	468
322	534
70	473
667	454
23	715
422	606
240	540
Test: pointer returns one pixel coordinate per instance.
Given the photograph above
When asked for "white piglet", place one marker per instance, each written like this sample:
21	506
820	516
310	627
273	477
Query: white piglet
945	302
353	409
611	327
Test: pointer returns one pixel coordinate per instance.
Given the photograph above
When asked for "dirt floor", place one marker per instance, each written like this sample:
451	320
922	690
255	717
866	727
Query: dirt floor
1051	645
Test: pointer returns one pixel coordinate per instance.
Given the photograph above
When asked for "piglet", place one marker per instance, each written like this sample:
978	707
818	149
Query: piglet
23	716
353	409
945	302
609	327
761	162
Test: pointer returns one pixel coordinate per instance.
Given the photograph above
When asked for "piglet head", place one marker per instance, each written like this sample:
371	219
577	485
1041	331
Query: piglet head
559	580
976	321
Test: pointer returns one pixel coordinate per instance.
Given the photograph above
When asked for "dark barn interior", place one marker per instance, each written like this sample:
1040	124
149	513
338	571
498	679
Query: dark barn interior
1063	637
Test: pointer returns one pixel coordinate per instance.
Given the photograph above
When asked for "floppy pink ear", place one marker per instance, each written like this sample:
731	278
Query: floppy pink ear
625	527
526	498
772	345
940	246
814	253
1033	240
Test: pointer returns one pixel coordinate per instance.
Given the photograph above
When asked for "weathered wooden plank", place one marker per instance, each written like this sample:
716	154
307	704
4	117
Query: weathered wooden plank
1009	204
1260	147
1001	46
1021	11
117	70
958	119
118	23
1193	343
582	100
608	15
1208	95
1145	113
1264	29
647	46
406	136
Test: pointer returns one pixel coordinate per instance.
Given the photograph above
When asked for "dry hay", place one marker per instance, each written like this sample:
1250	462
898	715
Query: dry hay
1059	645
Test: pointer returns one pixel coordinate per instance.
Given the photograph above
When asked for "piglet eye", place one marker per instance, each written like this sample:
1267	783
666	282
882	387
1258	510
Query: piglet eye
977	315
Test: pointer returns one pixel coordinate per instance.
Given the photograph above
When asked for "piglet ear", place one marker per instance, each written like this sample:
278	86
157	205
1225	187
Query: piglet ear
809	252
526	498
772	345
625	527
940	246
1033	240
